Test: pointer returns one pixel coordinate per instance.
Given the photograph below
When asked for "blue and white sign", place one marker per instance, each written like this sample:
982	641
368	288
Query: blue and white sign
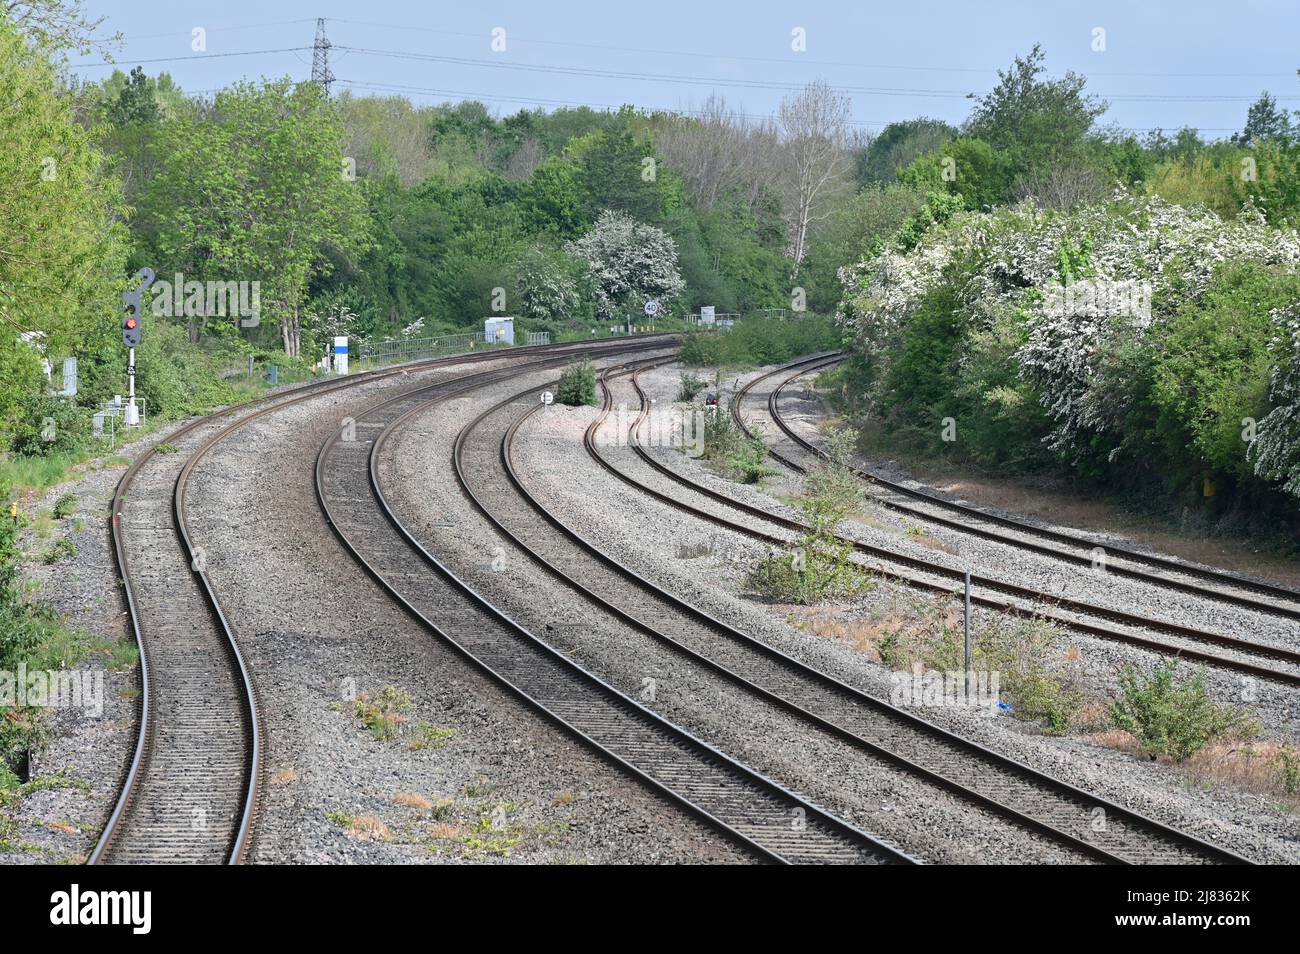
341	354
652	308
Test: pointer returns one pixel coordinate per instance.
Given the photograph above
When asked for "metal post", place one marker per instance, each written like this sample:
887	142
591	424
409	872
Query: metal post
132	414
966	635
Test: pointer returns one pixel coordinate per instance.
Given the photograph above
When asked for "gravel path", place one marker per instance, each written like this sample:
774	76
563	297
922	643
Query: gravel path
469	774
705	564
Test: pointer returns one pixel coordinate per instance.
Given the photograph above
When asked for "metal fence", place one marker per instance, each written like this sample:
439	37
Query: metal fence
539	337
409	349
723	318
104	422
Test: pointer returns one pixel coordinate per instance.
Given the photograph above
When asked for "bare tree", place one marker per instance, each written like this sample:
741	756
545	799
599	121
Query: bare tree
60	24
816	144
387	134
1063	186
525	159
718	151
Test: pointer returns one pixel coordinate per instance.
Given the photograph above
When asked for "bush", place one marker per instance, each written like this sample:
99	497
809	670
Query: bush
756	341
1169	717
577	385
822	565
48	425
690	386
62	548
65	506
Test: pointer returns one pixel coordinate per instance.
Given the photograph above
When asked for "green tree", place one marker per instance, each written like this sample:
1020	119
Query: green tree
1265	121
898	146
1038	127
61	255
257	190
620	173
1212	365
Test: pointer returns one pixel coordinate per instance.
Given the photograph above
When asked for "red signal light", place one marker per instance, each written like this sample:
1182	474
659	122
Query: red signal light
130	323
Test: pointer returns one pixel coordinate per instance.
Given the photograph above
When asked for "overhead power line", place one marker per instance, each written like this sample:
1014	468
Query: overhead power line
716	55
190	56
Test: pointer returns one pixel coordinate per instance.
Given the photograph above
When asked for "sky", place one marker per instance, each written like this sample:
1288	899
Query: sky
1160	63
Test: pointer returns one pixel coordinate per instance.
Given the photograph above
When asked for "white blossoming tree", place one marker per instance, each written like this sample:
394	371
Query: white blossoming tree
630	263
1082	294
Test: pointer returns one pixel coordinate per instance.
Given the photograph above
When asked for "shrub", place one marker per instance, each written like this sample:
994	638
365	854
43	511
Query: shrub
755	341
577	385
48	425
749	461
690	386
383	715
63	548
821	566
65	506
1170	717
1018	649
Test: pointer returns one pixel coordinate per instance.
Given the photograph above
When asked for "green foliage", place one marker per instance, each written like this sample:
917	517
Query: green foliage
749	460
24	630
1274	188
898	145
1036	125
1172	717
821	566
253	190
49	426
577	385
65	506
939	208
924	363
690	386
1211	365
867	221
63	549
759	341
966	167
62	255
383	714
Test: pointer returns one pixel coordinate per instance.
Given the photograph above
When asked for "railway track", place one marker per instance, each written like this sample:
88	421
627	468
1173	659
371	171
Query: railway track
774	824
191	790
983	777
1252	657
1069	548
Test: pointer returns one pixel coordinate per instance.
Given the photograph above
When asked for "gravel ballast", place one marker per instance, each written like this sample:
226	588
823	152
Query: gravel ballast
882	800
470	774
705	565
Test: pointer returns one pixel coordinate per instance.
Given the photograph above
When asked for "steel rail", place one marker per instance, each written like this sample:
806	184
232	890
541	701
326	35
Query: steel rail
858	697
1083	608
673	735
137	769
974	513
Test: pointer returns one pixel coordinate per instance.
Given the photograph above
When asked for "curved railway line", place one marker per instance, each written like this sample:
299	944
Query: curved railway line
1281	601
191	790
1077	615
1024	795
750	809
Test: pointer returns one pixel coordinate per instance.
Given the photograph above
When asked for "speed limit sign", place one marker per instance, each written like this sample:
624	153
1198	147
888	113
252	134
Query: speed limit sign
652	308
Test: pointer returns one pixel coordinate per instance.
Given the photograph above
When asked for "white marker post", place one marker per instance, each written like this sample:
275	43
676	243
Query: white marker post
341	354
131	416
966	634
